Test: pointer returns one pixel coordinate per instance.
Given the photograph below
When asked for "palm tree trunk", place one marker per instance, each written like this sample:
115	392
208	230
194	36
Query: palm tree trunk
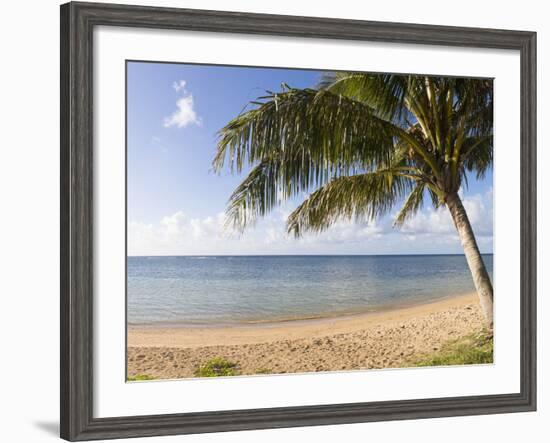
481	278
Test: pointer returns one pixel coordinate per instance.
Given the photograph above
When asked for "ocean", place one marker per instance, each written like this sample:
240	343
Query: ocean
225	290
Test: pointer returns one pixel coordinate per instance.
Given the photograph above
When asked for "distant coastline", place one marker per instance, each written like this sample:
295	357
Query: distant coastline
298	255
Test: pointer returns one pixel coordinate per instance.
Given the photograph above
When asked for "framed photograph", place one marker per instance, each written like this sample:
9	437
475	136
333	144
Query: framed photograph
272	221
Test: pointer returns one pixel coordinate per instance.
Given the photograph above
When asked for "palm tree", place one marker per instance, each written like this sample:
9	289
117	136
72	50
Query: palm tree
359	144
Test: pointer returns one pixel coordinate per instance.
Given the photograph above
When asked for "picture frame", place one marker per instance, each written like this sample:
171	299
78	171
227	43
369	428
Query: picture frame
78	21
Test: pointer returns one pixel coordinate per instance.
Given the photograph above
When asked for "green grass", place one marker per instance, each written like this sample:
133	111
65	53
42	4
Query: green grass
140	377
263	371
470	350
216	367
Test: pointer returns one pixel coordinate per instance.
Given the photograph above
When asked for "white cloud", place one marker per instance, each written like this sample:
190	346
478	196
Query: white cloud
179	234
430	231
185	113
431	221
179	86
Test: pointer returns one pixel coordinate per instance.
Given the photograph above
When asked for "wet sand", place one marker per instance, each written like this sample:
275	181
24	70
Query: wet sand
386	339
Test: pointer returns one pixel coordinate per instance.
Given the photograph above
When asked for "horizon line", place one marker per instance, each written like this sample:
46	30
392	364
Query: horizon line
302	255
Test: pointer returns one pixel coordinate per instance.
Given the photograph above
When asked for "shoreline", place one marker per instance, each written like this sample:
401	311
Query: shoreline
392	339
196	336
380	309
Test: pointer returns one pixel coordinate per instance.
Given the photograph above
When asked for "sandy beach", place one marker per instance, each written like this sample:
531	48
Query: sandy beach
387	339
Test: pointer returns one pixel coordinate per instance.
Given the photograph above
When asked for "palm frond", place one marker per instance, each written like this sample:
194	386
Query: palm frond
478	155
257	194
412	204
361	142
437	200
361	197
383	93
317	133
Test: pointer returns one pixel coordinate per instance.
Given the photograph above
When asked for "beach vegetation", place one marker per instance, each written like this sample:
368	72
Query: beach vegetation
216	367
358	145
470	350
140	377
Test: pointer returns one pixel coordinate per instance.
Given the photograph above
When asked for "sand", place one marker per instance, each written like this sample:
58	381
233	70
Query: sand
388	339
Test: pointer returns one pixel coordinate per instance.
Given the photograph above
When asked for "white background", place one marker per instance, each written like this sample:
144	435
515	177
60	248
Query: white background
29	174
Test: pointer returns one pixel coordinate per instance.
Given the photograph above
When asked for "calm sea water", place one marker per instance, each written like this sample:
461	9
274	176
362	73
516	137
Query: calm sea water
235	289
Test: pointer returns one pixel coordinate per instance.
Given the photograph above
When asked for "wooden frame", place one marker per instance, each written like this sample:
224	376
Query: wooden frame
77	23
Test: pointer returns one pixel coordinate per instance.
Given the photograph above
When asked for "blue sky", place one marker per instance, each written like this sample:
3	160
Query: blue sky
176	202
